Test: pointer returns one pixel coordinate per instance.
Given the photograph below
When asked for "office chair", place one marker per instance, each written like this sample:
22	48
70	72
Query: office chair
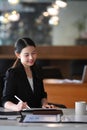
1	88
5	64
52	72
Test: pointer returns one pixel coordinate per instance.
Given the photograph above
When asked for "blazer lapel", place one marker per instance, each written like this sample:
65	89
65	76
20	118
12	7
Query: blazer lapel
25	80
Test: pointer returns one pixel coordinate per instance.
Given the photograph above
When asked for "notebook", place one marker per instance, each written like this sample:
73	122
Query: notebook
43	111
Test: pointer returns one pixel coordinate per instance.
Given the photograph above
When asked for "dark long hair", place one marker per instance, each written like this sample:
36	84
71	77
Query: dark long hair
21	44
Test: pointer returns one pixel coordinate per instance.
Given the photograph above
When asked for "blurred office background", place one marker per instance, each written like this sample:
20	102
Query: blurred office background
48	23
44	21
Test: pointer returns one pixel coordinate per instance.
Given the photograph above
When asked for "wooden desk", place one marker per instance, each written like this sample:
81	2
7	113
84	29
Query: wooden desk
65	93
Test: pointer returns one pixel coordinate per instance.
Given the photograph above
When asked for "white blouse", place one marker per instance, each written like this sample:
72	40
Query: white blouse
31	83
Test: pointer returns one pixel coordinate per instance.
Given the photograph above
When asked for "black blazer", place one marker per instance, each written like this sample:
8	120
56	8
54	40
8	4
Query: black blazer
16	83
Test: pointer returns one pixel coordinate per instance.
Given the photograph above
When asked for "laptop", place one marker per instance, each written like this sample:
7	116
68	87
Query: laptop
82	80
84	75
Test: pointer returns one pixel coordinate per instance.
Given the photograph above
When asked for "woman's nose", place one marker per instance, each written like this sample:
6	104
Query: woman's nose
30	57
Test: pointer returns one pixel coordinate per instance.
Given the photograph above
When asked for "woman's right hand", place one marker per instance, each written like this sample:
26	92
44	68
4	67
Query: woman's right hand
21	105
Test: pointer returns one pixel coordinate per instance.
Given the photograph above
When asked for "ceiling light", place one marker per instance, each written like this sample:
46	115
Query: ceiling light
55	6
4	20
14	16
61	3
54	20
13	1
52	11
46	14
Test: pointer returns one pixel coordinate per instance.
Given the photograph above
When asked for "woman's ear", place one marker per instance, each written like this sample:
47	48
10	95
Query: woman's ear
17	55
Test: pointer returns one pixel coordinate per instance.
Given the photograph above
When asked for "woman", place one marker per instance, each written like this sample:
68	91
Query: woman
24	79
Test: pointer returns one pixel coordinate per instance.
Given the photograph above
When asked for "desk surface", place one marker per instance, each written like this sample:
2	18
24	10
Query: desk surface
15	125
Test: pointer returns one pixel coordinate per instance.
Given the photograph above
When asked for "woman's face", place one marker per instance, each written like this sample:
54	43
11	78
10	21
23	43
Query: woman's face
28	56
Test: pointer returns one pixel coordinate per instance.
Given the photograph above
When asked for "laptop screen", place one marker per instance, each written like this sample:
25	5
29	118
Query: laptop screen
84	75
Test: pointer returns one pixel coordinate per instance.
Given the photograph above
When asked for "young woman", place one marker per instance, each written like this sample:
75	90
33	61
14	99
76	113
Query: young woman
24	79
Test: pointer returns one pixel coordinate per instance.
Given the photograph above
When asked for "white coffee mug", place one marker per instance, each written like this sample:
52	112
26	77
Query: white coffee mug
80	108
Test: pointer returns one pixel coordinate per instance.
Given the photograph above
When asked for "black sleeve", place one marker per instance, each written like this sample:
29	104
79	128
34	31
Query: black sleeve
9	86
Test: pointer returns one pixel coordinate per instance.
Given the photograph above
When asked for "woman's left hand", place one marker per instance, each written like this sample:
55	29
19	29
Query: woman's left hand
48	106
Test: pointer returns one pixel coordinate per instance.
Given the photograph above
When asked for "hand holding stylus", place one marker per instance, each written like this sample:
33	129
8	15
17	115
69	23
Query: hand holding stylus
21	101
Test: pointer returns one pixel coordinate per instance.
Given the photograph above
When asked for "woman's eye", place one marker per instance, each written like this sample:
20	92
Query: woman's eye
26	55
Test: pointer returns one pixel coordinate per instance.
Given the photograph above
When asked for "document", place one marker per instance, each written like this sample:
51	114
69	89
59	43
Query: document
40	118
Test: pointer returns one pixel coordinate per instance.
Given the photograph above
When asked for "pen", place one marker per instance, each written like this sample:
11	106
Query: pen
21	101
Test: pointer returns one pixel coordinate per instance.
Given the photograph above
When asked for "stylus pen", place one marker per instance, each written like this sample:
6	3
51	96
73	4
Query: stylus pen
21	101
